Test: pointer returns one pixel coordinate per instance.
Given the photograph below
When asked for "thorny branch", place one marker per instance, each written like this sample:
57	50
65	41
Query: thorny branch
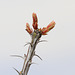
35	35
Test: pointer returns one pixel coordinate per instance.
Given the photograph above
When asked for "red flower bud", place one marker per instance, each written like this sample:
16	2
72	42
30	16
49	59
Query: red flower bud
35	20
44	30
28	29
51	25
35	26
48	28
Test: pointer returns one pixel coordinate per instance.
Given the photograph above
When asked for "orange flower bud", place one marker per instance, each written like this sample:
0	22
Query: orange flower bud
28	29
44	30
35	20
35	26
48	28
51	25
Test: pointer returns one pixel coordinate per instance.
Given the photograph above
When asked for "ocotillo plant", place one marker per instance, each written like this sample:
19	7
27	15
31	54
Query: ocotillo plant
35	39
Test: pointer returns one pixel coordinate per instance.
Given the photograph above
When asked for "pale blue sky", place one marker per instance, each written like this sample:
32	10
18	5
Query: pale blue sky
58	53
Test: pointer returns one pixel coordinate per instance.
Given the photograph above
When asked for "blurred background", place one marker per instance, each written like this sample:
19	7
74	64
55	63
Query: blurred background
58	53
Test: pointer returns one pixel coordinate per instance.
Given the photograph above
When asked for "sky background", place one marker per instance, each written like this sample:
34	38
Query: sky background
58	53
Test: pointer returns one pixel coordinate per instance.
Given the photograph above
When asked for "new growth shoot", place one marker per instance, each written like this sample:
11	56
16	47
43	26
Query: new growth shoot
35	34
